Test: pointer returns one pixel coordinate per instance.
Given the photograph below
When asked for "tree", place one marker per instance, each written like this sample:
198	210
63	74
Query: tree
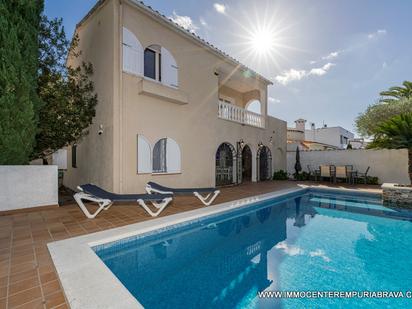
19	103
376	114
395	133
397	93
395	101
67	92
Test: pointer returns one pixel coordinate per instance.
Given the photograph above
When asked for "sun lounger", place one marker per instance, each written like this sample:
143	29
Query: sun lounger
212	193
93	193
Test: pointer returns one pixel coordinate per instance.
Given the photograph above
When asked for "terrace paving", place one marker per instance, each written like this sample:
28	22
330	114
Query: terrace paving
27	275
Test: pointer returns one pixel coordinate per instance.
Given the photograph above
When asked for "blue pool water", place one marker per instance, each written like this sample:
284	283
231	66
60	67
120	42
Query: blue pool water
316	240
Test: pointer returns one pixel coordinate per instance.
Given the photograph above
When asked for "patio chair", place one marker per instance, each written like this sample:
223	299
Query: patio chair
349	167
351	174
212	193
314	173
105	199
328	172
363	176
342	173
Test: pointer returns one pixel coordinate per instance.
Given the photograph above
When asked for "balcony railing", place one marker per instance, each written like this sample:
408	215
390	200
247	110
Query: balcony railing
240	115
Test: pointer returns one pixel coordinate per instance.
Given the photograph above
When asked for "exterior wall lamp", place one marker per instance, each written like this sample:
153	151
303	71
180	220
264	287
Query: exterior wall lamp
271	138
100	132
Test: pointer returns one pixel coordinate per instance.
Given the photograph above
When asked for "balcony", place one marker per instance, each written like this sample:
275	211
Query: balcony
240	115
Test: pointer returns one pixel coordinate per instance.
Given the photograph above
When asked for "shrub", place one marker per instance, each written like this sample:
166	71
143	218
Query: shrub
370	180
280	175
302	176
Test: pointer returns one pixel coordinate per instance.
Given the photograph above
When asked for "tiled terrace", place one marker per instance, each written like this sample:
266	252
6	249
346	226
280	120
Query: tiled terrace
27	275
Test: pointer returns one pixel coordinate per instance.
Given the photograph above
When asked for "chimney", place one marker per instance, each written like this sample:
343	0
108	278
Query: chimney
300	124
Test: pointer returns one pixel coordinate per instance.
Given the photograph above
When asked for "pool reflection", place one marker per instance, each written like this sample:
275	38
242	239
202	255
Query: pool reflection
221	264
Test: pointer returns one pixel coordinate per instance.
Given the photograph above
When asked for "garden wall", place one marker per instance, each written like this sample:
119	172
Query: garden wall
26	186
389	165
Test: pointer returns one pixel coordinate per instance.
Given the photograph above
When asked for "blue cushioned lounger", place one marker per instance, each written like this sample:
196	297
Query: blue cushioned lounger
105	199
212	193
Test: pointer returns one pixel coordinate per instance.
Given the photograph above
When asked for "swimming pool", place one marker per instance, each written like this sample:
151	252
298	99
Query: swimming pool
314	240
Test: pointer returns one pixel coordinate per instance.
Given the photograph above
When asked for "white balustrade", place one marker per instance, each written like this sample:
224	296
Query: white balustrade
237	114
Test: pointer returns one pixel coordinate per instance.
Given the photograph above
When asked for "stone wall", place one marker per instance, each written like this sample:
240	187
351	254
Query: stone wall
397	195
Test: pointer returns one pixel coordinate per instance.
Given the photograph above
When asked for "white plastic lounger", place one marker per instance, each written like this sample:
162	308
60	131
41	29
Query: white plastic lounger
106	199
212	193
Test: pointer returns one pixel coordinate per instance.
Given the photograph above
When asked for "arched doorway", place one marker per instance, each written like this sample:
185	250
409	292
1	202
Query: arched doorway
264	163
246	164
225	162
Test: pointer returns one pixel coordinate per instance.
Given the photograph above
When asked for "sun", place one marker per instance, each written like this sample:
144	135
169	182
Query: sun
262	34
262	41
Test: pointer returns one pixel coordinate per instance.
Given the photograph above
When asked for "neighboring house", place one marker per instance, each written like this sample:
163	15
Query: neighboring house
334	136
296	137
307	145
172	108
359	143
325	138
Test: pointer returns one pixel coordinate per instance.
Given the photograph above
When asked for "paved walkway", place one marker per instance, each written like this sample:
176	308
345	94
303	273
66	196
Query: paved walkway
27	275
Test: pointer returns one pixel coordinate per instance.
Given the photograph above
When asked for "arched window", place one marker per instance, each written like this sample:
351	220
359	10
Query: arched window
166	156
254	106
160	65
144	155
132	53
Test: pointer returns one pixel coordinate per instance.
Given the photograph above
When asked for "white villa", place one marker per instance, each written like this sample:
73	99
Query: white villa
172	107
323	138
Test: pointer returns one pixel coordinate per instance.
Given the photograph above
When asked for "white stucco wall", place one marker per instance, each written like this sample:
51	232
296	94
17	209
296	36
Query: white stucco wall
389	165
59	158
26	186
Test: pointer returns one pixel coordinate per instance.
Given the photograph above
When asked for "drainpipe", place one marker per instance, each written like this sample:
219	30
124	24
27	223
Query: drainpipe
120	95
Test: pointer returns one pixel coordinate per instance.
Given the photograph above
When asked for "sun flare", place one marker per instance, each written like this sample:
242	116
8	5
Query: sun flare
262	35
262	41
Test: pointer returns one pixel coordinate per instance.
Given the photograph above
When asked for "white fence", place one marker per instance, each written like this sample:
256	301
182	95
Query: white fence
25	186
389	165
237	114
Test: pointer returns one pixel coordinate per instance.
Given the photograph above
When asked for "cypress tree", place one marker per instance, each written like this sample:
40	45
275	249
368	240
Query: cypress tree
19	103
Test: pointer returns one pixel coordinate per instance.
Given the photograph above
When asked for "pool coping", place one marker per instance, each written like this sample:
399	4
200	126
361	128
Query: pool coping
88	283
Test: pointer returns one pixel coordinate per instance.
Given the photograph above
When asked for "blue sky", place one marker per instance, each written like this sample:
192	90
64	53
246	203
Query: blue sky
328	59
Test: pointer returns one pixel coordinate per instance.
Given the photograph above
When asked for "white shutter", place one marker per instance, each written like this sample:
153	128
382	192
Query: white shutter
172	156
144	155
169	69
132	53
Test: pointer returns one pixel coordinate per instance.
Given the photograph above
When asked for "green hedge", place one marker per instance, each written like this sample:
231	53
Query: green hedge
280	175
